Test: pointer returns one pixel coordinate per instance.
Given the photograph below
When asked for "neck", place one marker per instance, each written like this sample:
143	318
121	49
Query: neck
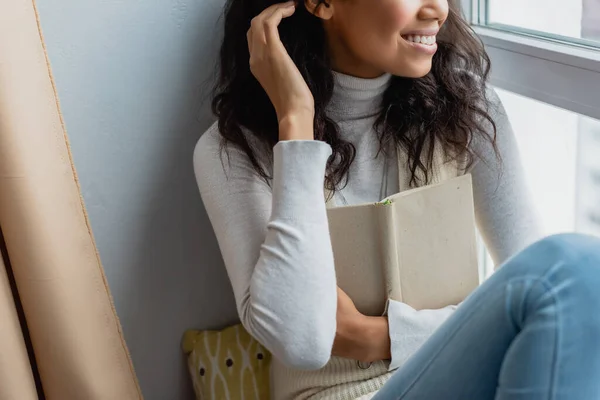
357	98
351	67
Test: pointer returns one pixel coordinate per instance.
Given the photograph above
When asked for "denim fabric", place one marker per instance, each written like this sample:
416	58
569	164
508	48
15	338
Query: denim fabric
530	332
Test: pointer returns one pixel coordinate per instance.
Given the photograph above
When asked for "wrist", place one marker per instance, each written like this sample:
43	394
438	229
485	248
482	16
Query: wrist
377	339
370	338
297	126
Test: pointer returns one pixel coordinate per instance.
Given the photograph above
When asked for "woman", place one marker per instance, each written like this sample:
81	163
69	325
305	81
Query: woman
330	93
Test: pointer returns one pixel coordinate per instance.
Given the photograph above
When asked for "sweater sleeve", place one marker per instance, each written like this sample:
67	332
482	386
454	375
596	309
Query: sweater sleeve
505	216
410	328
275	244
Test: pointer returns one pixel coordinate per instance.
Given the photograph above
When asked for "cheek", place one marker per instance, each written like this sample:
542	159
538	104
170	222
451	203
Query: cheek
388	30
384	18
371	30
391	20
398	16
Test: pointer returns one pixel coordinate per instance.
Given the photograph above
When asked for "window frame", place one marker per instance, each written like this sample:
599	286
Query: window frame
566	75
569	78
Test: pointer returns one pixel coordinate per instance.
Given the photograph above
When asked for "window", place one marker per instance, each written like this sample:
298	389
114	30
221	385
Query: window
575	19
546	68
531	59
560	151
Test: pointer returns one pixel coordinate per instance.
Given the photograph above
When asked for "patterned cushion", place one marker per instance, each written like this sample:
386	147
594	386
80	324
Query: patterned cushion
227	365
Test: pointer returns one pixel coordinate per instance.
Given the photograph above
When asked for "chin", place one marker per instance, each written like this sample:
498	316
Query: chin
413	71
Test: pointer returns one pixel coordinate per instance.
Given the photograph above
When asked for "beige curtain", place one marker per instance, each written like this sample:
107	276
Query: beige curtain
77	340
15	371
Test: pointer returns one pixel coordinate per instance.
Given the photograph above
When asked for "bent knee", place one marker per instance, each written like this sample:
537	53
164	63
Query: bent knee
572	248
577	254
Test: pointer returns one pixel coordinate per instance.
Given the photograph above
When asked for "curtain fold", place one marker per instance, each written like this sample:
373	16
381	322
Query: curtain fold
15	370
76	336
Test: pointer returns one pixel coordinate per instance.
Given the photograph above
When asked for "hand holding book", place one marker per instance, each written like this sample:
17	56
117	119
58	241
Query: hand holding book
360	337
417	247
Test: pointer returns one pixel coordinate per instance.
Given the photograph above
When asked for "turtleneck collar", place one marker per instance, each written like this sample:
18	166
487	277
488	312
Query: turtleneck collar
357	98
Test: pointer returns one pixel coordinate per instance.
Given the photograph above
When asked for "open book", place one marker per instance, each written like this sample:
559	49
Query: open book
417	247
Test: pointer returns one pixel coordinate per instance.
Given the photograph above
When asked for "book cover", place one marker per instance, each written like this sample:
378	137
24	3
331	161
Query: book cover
417	246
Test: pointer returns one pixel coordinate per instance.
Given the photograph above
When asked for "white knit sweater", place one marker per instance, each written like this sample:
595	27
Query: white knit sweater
275	240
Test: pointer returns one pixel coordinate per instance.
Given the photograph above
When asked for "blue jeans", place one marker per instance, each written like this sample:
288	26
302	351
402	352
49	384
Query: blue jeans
530	332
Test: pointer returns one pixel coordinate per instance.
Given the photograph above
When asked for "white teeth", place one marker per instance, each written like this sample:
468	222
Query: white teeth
427	40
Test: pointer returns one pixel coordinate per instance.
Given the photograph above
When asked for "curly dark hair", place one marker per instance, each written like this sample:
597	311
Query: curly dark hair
448	105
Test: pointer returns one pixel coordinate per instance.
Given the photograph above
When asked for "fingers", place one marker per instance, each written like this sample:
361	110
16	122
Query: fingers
271	23
264	27
269	11
249	39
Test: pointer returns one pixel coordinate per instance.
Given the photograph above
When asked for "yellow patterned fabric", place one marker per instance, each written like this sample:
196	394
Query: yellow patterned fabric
227	365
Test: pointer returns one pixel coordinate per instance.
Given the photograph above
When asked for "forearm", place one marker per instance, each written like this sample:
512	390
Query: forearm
275	244
394	338
378	339
506	214
364	338
291	302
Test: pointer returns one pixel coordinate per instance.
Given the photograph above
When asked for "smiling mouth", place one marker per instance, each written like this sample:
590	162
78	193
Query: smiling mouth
424	40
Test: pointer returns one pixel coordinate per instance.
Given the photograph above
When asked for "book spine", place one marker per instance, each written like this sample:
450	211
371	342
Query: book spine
389	252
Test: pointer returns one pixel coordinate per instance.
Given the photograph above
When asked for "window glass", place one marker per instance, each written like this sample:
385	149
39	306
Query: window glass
568	19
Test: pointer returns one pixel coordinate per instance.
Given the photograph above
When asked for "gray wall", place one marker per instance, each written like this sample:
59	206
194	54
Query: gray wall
130	77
